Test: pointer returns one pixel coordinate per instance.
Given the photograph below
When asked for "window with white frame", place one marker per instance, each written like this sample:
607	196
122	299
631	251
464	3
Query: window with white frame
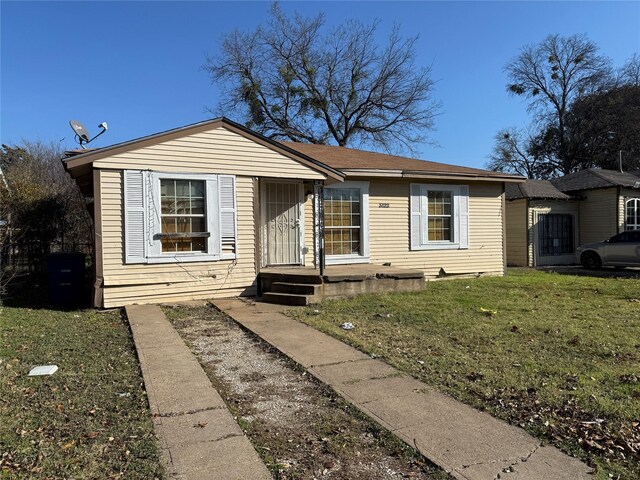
346	208
632	214
183	222
176	217
439	216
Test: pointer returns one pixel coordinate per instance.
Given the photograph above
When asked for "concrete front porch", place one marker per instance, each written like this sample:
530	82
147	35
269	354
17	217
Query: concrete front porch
304	285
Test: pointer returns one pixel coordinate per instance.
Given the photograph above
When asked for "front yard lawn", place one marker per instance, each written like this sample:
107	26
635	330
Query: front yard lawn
558	355
90	419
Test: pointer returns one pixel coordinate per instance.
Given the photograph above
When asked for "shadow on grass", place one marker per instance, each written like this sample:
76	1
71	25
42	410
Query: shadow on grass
32	291
605	272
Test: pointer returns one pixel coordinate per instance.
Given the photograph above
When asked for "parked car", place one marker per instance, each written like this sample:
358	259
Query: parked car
621	250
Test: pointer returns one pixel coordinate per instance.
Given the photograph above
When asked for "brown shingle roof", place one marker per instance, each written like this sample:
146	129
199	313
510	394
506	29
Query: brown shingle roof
534	189
594	178
343	158
78	151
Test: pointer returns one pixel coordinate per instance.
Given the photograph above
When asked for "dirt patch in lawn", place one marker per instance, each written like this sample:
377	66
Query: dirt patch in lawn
300	428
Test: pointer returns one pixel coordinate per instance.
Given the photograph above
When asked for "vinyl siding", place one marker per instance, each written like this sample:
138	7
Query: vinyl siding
151	283
598	214
389	242
517	233
218	150
390	236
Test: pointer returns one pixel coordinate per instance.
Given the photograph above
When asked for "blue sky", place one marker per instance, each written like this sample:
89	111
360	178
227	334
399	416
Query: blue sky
137	65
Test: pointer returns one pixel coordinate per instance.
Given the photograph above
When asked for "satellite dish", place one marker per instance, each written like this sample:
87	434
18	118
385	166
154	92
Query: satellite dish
81	131
82	134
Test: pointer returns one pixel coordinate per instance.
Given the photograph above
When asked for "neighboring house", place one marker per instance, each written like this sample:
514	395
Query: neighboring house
548	219
199	211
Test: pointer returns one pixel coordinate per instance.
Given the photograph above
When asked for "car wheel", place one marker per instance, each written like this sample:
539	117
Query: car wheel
591	260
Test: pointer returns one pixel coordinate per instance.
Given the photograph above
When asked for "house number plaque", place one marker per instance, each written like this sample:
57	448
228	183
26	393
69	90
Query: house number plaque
383	205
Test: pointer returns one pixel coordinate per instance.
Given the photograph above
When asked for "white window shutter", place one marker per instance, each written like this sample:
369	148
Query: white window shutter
135	227
463	206
228	216
416	216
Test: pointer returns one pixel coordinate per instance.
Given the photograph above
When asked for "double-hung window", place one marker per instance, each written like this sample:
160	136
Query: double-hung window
632	214
177	217
183	220
439	216
346	212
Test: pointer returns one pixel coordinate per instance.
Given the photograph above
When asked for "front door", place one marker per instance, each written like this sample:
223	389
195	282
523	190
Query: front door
283	225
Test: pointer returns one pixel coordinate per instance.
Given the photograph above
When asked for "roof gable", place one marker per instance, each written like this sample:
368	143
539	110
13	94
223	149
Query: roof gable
191	142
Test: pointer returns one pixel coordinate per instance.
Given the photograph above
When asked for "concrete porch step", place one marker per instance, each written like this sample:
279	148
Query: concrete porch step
287	298
296	288
311	278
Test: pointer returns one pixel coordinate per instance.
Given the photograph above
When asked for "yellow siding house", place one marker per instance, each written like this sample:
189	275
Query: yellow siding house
548	219
197	212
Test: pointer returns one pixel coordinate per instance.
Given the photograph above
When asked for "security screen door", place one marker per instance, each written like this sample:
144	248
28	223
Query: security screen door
555	239
283	224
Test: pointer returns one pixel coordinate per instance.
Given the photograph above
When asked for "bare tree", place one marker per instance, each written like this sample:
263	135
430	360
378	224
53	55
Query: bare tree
291	79
40	203
552	75
511	154
630	72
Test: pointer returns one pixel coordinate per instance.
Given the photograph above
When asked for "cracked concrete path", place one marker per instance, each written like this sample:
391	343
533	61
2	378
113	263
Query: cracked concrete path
199	438
467	443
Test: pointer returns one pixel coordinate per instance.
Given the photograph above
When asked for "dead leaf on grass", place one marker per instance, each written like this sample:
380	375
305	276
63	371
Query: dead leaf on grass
69	445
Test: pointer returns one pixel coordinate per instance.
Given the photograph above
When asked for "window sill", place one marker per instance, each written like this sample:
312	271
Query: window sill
439	246
185	258
345	259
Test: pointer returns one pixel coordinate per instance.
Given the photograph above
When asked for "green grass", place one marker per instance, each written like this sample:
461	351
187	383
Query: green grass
560	356
88	420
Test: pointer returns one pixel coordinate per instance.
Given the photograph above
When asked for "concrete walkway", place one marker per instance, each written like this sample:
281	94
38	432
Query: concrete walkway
463	441
198	436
